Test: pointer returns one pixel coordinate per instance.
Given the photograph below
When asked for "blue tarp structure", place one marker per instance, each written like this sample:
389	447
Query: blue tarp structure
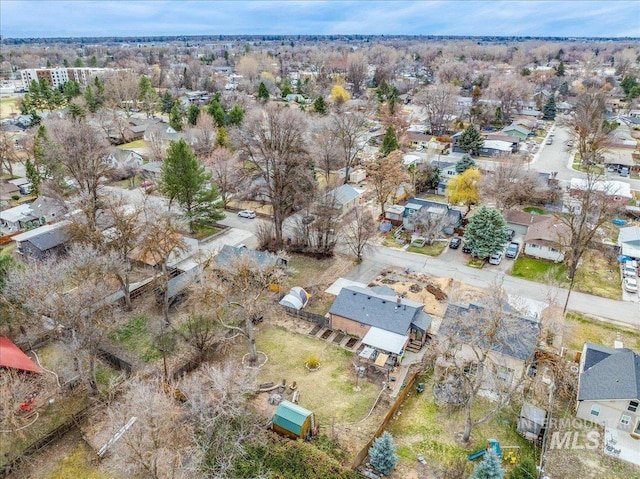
618	222
385	226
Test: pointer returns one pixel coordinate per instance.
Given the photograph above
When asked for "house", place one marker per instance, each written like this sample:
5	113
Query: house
609	394
517	131
497	147
229	254
293	421
629	241
547	239
152	171
385	322
519	221
119	158
511	348
346	197
7	191
418	139
414	205
394	214
39	243
617	191
48	209
18	218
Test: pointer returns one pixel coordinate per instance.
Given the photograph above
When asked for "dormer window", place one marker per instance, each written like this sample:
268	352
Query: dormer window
633	406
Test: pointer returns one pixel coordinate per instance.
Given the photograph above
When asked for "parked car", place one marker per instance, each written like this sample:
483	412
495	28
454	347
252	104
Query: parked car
630	285
629	270
549	141
247	214
455	242
495	258
624	171
570	144
466	249
307	220
512	249
510	234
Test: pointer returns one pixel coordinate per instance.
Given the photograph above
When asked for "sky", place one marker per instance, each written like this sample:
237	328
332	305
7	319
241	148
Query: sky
96	18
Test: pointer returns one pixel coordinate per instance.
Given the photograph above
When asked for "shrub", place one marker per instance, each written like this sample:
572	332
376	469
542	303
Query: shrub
313	362
382	455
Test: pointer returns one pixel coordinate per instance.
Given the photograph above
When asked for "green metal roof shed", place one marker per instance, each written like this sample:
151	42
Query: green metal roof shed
292	420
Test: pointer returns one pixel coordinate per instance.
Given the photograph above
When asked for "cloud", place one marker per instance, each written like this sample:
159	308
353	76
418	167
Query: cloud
137	18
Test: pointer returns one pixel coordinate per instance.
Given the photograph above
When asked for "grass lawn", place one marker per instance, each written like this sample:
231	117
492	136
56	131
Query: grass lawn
8	107
390	240
534	210
133	144
137	336
596	275
579	329
538	270
432	250
329	391
76	464
201	232
425	428
475	263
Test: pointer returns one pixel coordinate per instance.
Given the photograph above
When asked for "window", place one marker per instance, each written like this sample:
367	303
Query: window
625	420
362	325
504	373
534	246
595	410
633	406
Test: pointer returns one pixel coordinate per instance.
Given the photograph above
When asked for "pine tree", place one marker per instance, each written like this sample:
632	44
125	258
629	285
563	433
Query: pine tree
236	115
464	164
175	117
222	138
382	454
471	141
549	110
390	142
486	232
489	468
34	176
320	106
263	93
184	180
560	69
192	114
166	102
286	88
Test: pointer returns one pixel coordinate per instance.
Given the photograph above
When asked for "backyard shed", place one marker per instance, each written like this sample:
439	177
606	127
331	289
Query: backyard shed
532	421
297	298
293	421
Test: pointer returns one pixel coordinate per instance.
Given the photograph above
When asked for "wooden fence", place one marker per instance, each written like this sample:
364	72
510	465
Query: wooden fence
311	317
362	455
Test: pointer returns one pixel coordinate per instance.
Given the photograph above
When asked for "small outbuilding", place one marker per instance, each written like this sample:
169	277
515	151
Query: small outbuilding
297	298
532	422
293	421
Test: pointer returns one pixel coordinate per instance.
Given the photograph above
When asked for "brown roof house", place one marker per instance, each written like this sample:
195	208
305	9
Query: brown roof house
547	239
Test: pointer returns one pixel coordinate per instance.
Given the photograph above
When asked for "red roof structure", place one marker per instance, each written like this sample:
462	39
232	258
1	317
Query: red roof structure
12	357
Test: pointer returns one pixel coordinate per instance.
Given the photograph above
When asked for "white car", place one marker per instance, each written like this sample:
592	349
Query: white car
495	258
247	214
629	270
630	285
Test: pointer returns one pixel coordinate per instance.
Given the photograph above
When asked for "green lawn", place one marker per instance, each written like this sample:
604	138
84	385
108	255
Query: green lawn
139	337
538	270
133	144
432	250
579	329
201	232
534	210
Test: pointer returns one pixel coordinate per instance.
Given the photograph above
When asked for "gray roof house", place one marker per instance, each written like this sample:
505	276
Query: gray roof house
414	205
119	158
629	241
346	197
46	240
382	319
609	390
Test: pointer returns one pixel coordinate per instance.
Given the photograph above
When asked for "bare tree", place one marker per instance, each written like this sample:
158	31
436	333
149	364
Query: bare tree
158	444
589	207
219	414
121	91
7	153
587	128
510	93
157	142
438	102
273	146
357	68
510	185
81	150
203	136
243	286
386	175
430	224
72	292
488	348
349	129
325	147
226	171
358	230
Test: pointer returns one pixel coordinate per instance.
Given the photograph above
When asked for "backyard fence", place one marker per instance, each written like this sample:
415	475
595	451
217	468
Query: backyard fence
362	455
311	317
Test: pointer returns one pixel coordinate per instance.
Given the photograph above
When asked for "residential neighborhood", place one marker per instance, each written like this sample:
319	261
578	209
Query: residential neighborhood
319	256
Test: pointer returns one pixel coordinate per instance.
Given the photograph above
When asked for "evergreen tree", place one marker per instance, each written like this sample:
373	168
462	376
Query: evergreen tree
222	138
498	118
175	117
192	114
390	142
91	100
471	141
563	89
286	88
263	93
560	69
34	176
236	115
65	63
486	232
166	102
76	112
71	89
464	164
320	106
489	468
219	116
93	63
184	180
382	454
549	110
78	63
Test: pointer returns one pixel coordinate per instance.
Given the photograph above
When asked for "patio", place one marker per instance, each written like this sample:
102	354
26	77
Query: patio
620	444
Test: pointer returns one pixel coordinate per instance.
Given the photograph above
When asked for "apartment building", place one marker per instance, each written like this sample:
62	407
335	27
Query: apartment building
59	76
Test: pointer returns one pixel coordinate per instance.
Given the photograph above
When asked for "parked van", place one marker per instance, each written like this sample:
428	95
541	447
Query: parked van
624	171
